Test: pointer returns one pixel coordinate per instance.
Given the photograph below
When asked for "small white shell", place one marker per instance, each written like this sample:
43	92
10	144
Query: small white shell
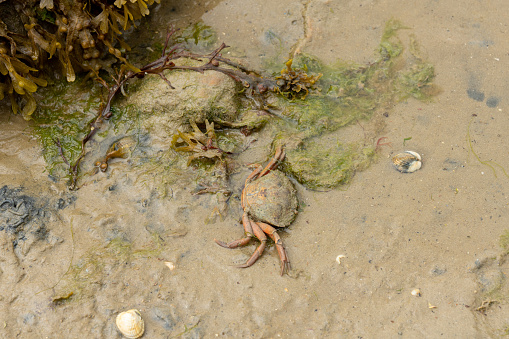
339	257
130	324
407	162
416	292
170	265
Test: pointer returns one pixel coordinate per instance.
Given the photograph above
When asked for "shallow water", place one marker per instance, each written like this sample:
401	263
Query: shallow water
437	229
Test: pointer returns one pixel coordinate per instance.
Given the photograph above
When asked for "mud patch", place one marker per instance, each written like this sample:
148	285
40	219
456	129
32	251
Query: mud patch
21	217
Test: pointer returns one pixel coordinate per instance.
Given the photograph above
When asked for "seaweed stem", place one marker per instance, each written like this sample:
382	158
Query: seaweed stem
61	151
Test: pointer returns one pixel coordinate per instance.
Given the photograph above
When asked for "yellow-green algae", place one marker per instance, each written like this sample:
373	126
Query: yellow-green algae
199	34
504	242
348	93
63	115
322	168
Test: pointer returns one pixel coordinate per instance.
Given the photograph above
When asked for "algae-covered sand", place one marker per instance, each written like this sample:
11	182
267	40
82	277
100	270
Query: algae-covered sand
71	261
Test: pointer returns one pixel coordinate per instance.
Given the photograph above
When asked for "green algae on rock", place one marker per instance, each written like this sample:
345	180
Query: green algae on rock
64	114
320	167
194	97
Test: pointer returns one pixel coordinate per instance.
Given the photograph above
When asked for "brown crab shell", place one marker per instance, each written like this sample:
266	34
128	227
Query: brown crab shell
130	324
272	199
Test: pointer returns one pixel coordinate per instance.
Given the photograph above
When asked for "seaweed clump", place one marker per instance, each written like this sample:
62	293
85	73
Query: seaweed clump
213	162
84	36
17	78
200	144
296	83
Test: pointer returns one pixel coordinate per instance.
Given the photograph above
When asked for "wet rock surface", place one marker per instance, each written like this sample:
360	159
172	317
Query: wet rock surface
195	97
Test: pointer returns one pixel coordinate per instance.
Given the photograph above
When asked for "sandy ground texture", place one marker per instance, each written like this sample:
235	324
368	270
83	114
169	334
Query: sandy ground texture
436	230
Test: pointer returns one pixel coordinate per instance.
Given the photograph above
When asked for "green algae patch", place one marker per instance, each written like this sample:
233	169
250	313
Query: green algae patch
504	242
63	117
197	35
349	93
62	120
337	164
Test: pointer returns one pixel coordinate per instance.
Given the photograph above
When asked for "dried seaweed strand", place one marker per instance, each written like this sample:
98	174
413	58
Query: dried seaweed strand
488	163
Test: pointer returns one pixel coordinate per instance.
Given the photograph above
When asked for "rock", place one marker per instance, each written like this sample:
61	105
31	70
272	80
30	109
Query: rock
196	96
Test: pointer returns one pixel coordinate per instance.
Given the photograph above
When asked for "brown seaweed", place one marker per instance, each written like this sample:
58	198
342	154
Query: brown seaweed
79	35
201	144
295	82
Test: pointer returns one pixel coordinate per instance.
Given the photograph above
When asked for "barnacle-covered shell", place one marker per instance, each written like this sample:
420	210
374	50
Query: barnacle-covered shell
407	162
272	199
130	324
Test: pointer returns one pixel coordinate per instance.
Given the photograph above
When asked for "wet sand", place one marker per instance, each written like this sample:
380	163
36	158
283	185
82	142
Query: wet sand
436	230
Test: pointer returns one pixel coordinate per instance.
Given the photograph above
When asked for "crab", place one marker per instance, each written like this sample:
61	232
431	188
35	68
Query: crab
269	200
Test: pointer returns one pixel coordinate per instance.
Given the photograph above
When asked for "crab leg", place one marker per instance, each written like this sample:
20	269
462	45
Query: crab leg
253	174
279	156
241	242
259	250
272	233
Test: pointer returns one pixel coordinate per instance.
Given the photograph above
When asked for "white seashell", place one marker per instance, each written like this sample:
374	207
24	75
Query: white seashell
339	257
407	162
130	324
170	265
416	292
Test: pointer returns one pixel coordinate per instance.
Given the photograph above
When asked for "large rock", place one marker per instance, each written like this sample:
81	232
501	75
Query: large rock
196	96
